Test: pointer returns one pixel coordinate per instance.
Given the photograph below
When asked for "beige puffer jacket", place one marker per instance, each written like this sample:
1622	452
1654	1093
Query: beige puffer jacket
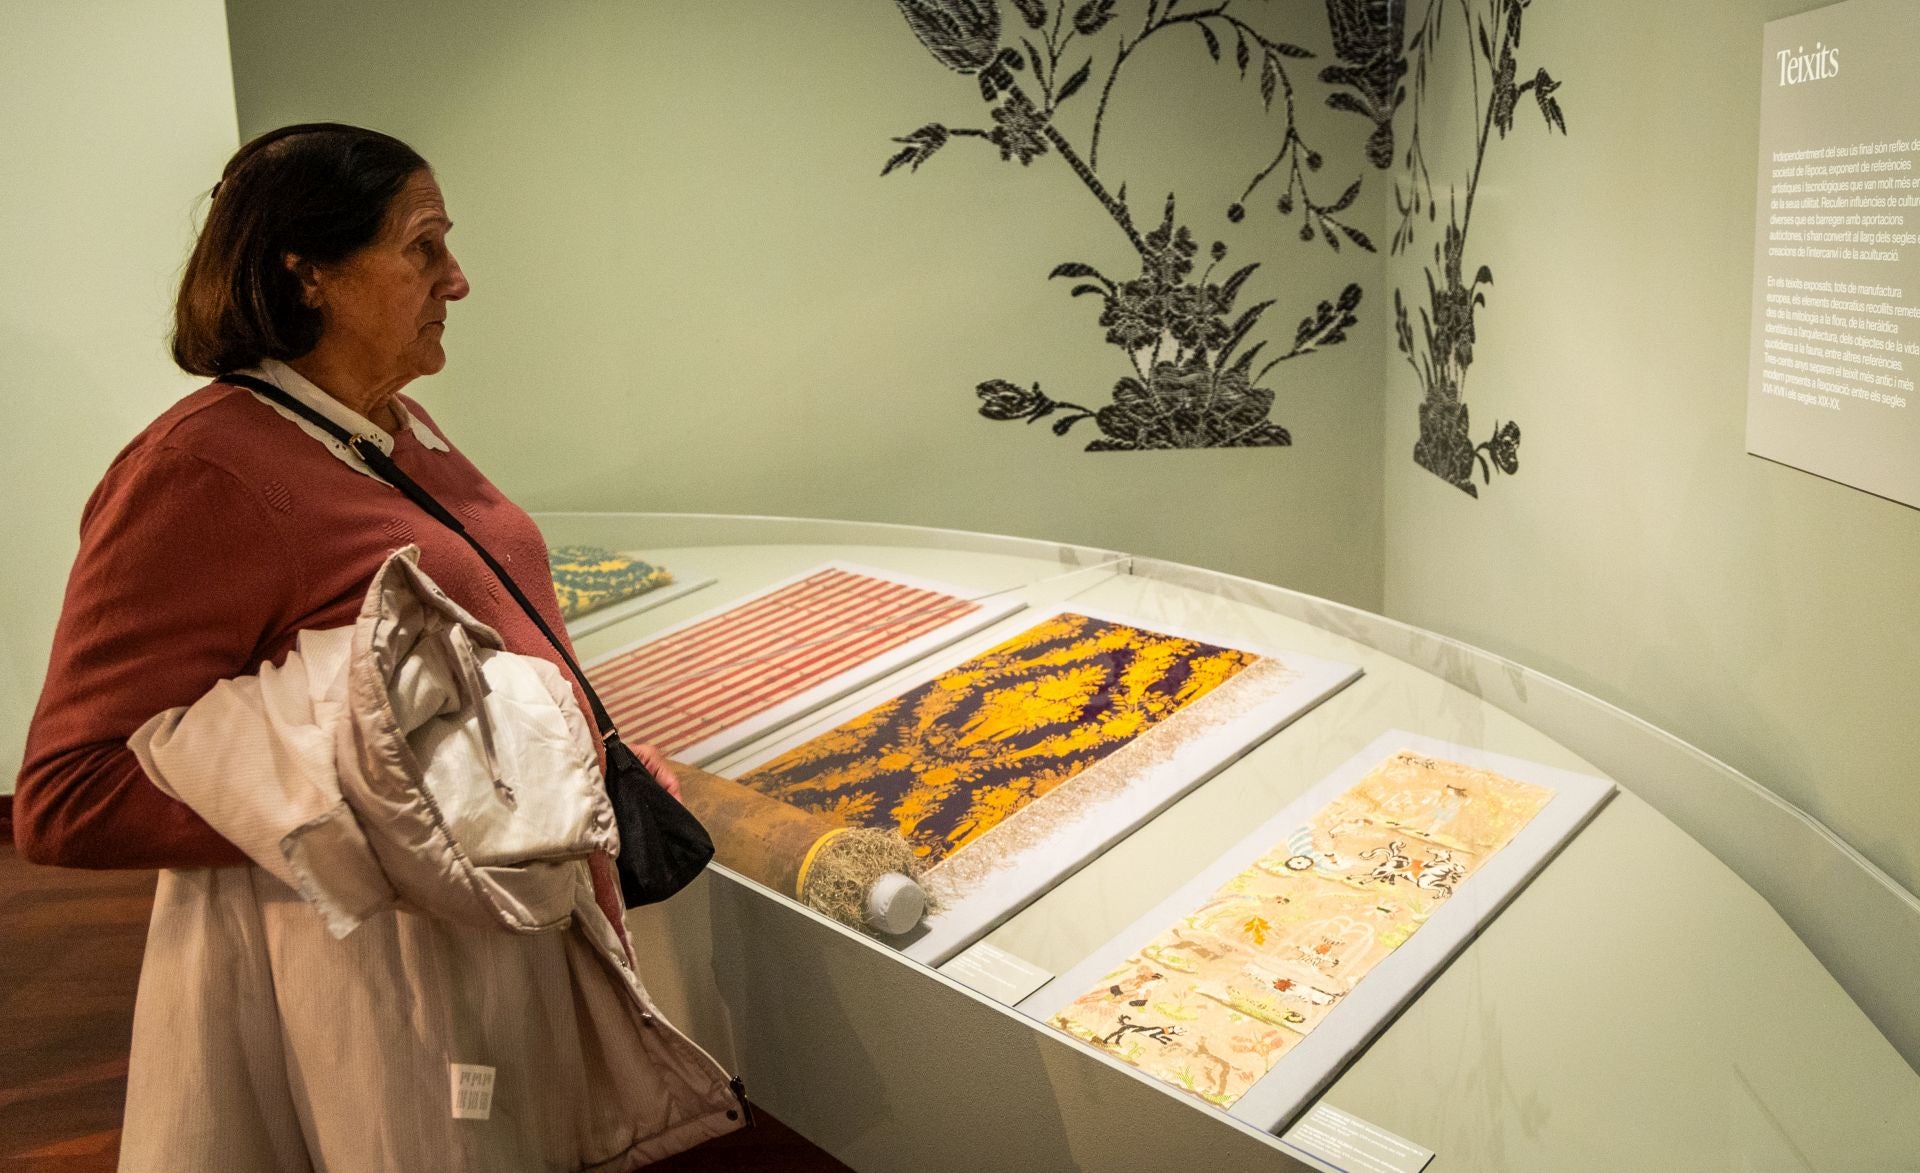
415	976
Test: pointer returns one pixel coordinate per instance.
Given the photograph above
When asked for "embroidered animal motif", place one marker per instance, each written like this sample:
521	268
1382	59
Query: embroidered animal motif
1159	1034
1440	873
1394	862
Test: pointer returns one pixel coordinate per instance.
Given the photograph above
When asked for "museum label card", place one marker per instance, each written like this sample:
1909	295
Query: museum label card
1835	337
990	970
1344	1143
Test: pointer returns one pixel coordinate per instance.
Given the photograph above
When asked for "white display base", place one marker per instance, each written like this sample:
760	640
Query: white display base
1305	1071
1637	951
967	916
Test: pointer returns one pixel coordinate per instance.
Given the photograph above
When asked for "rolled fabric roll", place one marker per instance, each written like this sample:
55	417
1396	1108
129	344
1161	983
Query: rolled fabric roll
863	878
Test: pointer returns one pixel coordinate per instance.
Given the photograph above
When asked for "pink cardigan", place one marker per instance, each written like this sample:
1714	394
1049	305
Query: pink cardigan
218	534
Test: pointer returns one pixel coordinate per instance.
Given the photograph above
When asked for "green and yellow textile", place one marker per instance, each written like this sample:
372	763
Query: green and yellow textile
586	578
948	761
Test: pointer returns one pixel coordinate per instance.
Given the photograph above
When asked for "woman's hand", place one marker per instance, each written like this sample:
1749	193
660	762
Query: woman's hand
656	764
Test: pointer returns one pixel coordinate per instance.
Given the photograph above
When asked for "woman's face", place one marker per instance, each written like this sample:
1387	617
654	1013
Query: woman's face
385	307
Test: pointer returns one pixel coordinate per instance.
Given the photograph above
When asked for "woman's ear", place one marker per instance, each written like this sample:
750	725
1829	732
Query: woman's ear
308	276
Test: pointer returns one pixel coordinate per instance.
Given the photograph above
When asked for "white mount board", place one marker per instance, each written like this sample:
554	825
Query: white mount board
1312	1064
1029	874
738	733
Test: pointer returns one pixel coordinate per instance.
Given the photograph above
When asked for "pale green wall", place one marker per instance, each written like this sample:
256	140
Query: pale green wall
693	291
118	118
1766	616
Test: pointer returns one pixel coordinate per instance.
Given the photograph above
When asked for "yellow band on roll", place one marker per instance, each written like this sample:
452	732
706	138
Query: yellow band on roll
827	865
806	863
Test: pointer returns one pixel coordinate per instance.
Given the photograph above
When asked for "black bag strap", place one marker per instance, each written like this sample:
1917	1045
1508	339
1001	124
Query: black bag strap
383	466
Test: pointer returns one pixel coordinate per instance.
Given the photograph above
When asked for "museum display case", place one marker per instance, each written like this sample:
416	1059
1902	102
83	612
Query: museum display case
1216	868
1556	813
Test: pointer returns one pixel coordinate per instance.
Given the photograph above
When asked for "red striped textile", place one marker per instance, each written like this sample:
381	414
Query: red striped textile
734	666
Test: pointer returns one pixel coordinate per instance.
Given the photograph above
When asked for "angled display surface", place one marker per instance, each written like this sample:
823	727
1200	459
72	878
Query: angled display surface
605	617
1012	763
703	687
1528	1050
1255	983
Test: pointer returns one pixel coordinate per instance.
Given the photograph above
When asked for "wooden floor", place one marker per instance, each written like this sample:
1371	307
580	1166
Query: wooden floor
70	945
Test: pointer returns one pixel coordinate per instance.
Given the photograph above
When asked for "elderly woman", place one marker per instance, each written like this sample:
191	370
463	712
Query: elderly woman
222	531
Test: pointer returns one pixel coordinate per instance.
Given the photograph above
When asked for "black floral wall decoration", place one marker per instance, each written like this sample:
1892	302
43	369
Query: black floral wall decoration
1197	378
1440	352
1369	38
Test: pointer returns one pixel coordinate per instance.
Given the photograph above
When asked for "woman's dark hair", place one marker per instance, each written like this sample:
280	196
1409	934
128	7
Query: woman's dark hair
320	191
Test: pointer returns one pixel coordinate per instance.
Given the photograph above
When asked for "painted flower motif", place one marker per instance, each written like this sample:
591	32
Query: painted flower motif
1021	133
1368	38
1197	320
963	35
1504	448
1170	250
1134	316
1001	400
1161	303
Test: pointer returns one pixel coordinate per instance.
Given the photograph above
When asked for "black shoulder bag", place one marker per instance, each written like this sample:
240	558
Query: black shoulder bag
662	846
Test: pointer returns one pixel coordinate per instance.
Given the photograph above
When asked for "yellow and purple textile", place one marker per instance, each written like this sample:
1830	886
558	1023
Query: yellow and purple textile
1213	1002
948	761
586	578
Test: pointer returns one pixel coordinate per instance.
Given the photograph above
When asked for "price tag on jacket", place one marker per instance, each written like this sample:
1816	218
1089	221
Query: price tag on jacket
472	1091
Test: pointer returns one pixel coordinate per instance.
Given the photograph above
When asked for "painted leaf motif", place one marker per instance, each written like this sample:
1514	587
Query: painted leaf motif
1132	395
1237	407
1092	16
1074	83
920	146
1230	288
1074	269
